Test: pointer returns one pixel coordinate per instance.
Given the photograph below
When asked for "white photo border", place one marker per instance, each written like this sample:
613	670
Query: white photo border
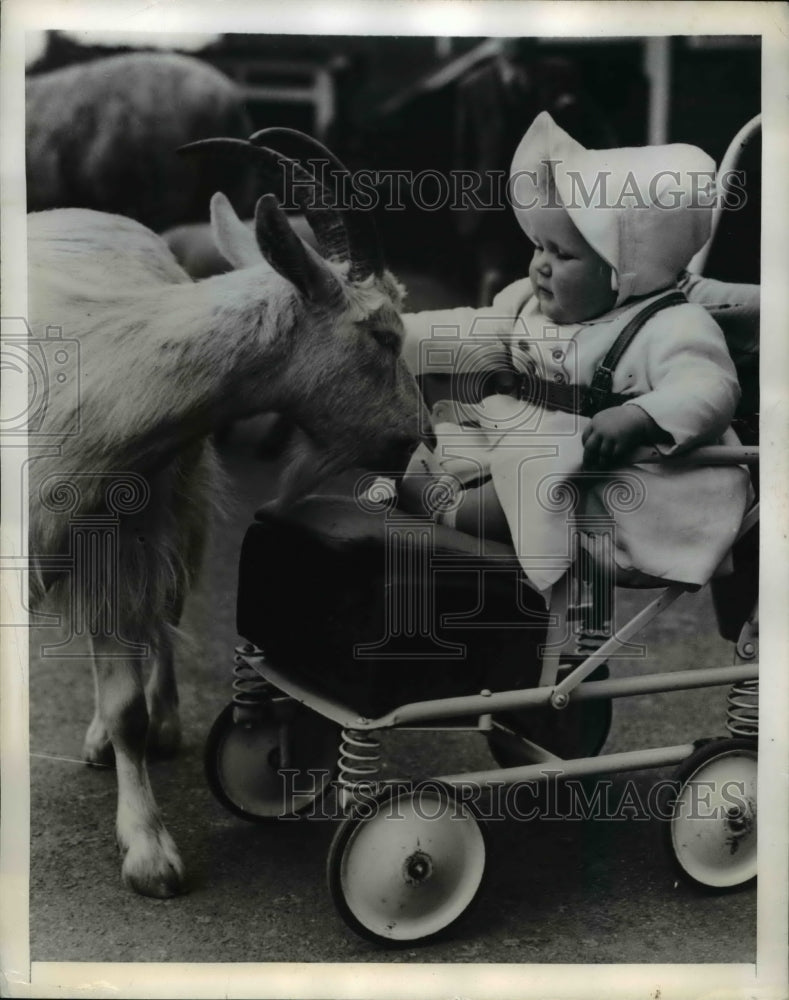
402	17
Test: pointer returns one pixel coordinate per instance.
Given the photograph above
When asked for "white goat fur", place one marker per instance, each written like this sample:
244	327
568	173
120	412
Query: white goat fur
164	361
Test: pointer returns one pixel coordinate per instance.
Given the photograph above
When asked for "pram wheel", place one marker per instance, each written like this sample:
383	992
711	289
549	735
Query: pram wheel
406	865
711	834
245	758
580	730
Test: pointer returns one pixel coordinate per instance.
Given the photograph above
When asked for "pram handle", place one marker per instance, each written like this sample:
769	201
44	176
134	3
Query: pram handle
706	455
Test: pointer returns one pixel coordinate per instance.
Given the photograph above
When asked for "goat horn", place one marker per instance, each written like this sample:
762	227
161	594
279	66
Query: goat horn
328	224
323	220
365	246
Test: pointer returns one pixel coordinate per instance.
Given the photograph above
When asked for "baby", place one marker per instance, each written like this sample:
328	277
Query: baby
612	232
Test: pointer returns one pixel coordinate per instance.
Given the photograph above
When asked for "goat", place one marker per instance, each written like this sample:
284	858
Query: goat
164	361
100	135
194	246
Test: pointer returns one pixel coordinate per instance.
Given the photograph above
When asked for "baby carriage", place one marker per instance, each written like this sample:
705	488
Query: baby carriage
359	619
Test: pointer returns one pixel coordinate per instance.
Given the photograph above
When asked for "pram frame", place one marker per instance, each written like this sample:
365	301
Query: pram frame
477	713
537	764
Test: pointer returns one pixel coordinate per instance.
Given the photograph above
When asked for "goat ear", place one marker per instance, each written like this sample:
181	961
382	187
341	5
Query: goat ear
290	256
235	241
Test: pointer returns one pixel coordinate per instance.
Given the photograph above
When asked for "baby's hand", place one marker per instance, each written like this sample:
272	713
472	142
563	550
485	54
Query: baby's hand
614	433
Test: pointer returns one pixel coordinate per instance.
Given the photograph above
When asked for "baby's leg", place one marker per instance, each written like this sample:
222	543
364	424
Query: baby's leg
480	513
413	492
433	484
476	511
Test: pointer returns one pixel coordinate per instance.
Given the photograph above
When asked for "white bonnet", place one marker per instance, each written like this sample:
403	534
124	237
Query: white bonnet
646	210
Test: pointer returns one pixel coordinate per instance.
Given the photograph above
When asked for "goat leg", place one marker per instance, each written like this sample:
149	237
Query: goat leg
164	723
97	746
161	696
151	864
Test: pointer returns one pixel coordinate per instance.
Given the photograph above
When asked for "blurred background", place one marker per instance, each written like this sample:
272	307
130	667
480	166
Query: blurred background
104	138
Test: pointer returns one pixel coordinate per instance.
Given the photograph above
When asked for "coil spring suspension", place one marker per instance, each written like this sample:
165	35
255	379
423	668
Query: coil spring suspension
250	690
358	764
589	641
742	709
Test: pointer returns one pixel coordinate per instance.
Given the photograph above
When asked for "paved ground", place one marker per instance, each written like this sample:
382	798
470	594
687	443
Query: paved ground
557	891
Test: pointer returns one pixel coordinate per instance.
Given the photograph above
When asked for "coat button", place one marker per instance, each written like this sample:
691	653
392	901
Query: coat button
557	355
558	378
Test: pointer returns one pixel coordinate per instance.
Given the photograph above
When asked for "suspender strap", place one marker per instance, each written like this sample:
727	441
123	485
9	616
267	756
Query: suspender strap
599	393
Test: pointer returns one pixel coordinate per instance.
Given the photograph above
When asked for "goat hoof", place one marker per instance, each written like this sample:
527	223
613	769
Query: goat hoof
163	885
154	868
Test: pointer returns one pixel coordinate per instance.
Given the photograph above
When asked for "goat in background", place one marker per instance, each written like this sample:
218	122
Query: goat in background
101	135
165	361
194	245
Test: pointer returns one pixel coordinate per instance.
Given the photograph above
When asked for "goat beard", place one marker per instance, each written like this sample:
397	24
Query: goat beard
307	466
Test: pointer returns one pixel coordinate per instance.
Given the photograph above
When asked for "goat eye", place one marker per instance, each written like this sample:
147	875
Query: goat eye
387	338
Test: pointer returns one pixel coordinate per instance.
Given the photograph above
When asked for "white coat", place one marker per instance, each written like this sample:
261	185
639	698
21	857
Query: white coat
673	524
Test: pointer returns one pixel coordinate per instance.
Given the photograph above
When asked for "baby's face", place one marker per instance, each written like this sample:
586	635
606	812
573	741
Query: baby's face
570	279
